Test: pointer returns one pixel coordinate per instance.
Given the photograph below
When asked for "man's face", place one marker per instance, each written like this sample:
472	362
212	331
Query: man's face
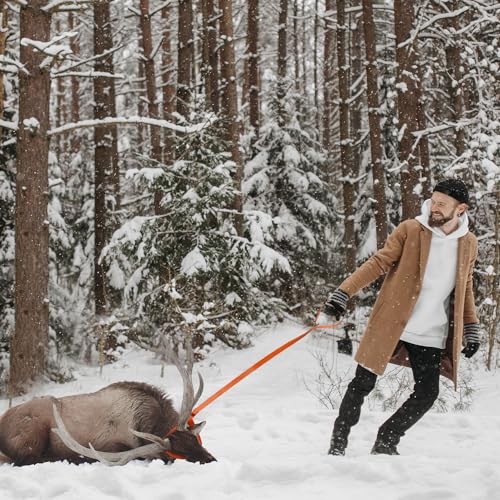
444	209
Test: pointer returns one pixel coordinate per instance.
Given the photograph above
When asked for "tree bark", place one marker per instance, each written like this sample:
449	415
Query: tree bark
28	349
229	103
184	59
150	75
75	140
407	84
296	54
210	55
374	124
4	11
168	85
345	140
315	65
253	65
282	60
356	72
453	63
328	75
105	144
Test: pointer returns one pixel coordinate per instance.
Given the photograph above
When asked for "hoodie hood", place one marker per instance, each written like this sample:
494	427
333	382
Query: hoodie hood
462	229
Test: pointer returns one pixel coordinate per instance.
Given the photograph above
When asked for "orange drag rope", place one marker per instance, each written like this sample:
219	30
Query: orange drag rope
259	363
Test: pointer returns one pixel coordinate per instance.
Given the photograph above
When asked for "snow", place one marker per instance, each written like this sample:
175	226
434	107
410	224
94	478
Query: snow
193	262
270	436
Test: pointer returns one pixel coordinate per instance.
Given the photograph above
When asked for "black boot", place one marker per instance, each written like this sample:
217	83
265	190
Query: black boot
338	444
381	448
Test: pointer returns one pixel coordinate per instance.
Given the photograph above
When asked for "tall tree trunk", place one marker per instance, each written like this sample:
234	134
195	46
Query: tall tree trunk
296	54
150	75
168	84
356	57
423	145
315	65
105	144
407	84
328	74
184	60
28	349
210	55
253	65
453	63
282	60
304	47
75	89
374	123
4	11
345	140
60	111
229	103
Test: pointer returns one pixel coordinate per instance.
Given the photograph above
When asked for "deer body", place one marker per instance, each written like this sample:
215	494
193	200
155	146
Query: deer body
108	420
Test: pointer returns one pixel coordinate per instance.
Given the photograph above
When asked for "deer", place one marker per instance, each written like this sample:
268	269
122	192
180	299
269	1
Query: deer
121	422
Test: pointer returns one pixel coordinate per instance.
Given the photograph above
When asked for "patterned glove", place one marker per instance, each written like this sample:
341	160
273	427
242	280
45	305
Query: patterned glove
336	304
471	339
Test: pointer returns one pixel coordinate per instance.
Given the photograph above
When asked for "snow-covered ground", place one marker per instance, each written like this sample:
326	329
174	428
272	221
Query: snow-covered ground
270	436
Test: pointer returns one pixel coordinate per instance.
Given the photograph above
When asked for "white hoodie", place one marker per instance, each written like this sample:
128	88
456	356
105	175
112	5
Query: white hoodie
428	323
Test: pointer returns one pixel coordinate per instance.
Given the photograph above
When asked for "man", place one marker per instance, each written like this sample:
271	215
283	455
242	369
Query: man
423	313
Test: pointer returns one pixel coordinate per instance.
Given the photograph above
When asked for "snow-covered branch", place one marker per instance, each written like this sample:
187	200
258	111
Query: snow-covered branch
133	120
9	125
53	49
88	74
445	126
430	22
8	61
86	61
55	5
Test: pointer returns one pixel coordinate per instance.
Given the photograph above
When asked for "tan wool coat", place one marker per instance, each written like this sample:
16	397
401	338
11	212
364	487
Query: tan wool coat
402	260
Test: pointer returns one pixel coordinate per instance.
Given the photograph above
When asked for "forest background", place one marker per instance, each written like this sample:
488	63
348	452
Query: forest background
197	168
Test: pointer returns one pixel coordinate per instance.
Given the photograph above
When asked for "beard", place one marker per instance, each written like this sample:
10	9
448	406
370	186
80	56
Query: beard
441	221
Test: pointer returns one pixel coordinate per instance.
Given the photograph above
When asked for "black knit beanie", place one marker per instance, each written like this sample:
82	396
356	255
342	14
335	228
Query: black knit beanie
454	188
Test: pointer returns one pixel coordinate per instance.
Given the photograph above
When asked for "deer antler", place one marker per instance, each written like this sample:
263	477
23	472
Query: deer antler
153	450
189	399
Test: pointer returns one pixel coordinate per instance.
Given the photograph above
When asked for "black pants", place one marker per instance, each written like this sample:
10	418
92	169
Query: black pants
425	362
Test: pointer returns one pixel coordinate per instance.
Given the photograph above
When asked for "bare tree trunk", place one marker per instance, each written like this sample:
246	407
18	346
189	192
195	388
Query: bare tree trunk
60	111
315	65
211	55
184	60
407	83
328	75
4	23
304	47
28	349
229	103
356	56
345	140
423	145
453	64
282	60
150	75
296	55
168	85
75	89
374	124
253	65
105	139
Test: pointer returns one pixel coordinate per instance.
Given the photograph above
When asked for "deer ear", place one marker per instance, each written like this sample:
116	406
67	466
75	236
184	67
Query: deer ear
197	428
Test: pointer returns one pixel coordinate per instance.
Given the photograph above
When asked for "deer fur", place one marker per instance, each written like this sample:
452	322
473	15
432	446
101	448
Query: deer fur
108	421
